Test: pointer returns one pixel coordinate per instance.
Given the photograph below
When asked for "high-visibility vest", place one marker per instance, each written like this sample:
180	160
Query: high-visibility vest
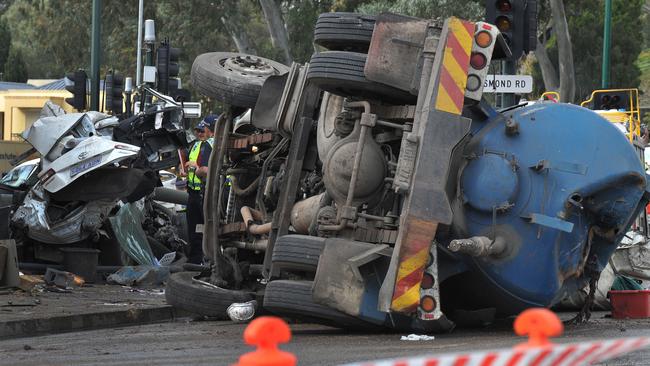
193	181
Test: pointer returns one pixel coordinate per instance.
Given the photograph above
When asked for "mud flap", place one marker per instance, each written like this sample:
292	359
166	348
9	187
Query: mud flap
348	278
395	50
278	103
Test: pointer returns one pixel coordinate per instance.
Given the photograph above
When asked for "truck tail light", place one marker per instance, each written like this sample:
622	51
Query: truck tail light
483	45
429	308
427	281
483	38
478	61
428	304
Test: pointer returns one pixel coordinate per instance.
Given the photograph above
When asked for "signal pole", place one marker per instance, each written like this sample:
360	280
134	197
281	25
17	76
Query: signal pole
95	55
607	41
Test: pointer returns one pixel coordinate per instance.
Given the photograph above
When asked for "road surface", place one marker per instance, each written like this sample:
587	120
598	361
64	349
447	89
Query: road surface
186	342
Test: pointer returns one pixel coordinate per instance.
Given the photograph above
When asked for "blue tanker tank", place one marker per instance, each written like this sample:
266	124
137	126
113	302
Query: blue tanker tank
544	195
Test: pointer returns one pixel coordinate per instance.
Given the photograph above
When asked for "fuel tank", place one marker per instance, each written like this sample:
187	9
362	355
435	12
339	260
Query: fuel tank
550	189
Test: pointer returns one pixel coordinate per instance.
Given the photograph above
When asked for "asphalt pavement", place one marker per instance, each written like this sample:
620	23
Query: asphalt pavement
89	307
185	342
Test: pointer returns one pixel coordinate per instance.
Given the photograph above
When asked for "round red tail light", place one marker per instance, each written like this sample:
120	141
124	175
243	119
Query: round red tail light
478	60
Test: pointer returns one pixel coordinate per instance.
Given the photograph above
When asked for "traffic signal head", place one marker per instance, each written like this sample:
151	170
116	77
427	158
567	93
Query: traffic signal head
620	100
517	22
75	83
114	88
168	68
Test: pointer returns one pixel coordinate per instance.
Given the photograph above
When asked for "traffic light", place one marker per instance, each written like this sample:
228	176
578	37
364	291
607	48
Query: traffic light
620	100
510	18
75	83
530	26
168	68
114	88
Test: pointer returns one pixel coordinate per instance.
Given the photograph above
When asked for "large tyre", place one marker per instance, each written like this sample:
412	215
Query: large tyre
297	252
293	299
186	294
233	78
344	31
341	73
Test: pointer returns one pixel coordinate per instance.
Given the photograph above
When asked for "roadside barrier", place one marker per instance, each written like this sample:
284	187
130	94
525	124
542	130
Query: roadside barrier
538	324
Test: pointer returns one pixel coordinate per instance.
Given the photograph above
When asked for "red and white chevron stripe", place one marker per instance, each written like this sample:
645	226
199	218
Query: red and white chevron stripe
575	354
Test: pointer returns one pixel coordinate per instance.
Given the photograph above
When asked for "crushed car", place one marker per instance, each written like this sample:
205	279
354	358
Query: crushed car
376	187
90	166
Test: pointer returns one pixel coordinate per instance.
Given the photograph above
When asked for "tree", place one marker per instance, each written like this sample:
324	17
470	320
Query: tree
565	52
431	9
277	30
301	16
15	68
585	19
53	35
5	42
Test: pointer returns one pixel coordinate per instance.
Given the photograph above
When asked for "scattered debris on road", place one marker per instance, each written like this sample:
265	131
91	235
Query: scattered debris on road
62	279
417	337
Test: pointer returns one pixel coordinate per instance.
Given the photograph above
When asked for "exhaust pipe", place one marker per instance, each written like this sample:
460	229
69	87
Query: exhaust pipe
170	195
250	215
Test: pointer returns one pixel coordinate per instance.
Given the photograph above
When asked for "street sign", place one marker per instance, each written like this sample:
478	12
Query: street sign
508	84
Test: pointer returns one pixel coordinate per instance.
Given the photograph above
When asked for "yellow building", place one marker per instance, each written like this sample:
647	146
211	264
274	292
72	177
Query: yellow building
21	103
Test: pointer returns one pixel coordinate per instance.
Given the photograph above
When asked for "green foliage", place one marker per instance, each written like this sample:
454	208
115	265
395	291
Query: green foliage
50	35
586	22
5	43
645	24
643	62
301	17
347	5
440	9
15	67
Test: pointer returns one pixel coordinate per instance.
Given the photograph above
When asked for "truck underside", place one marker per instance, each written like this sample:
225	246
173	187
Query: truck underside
375	186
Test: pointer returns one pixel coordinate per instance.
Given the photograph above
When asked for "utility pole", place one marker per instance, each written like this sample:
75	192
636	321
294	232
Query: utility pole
138	67
95	55
607	41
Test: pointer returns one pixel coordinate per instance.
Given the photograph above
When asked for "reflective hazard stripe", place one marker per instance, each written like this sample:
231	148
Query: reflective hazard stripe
413	257
194	182
577	354
455	63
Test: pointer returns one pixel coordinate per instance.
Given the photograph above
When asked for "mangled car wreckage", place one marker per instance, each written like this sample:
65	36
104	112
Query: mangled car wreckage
374	186
91	164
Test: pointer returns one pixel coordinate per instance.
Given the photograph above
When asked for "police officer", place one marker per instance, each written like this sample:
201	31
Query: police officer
197	170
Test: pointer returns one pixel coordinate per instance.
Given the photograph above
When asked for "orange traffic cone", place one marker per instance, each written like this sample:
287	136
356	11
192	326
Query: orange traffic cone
538	324
266	333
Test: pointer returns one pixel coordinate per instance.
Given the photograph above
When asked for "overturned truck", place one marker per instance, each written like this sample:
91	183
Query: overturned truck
375	186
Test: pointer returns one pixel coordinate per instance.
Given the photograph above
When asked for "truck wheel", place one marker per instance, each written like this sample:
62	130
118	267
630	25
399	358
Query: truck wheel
186	294
297	252
233	78
341	73
293	299
344	31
